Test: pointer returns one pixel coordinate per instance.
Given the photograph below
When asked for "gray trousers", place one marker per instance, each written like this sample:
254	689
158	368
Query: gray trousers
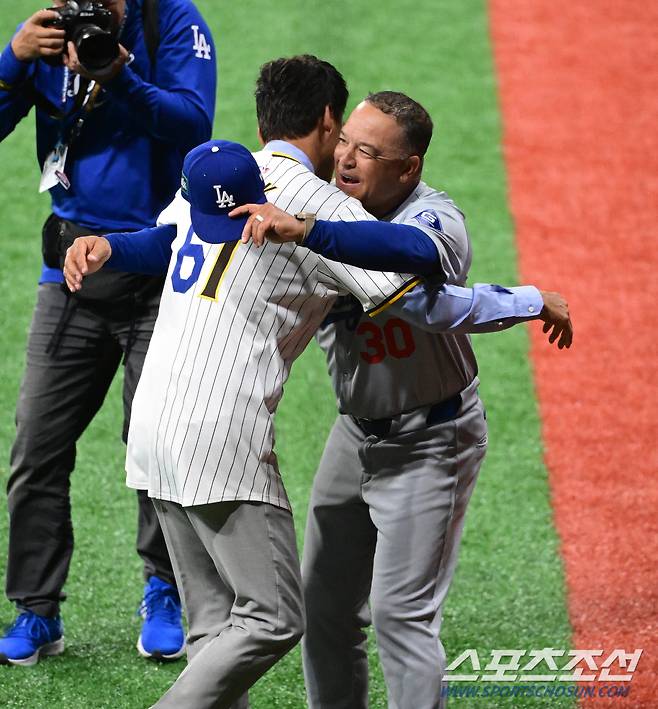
68	372
237	571
385	521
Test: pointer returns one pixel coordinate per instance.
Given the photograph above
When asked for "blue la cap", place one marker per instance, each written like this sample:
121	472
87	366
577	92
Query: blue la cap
219	176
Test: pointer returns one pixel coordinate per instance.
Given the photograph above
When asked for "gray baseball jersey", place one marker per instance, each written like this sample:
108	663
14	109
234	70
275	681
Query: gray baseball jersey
387	512
232	320
382	365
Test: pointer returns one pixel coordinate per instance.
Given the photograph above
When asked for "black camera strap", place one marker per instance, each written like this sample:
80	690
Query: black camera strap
83	104
47	106
83	107
151	24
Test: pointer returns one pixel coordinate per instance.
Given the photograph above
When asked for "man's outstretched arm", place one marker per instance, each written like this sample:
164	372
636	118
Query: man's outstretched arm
147	251
435	308
374	245
484	308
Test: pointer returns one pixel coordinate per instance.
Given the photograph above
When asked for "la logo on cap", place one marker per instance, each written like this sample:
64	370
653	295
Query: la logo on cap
220	175
224	199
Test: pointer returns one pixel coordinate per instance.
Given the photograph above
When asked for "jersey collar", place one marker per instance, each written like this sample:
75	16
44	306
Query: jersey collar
412	197
289	151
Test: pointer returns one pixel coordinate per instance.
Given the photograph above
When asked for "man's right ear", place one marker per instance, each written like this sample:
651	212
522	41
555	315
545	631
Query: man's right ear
260	137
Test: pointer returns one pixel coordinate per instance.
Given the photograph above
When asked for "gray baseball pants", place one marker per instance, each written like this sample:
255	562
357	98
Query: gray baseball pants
237	572
385	521
61	392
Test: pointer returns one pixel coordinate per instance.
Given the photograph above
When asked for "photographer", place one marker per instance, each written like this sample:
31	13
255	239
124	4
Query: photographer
120	98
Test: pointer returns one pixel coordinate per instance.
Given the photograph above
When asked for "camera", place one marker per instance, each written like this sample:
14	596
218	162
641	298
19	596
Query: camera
89	26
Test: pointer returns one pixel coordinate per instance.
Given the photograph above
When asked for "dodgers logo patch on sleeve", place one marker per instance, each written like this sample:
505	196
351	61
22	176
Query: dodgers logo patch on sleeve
201	45
429	218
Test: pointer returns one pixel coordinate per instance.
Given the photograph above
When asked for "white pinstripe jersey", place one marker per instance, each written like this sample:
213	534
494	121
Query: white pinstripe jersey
232	320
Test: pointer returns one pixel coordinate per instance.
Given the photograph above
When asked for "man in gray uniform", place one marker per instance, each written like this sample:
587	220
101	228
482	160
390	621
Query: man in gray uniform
388	500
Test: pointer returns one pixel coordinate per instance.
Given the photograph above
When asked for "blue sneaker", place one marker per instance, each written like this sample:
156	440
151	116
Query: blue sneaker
162	636
30	637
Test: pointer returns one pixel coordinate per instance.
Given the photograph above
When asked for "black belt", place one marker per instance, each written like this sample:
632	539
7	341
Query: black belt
445	410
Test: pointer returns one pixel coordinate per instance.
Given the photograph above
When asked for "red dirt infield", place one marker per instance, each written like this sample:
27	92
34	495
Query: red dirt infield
578	86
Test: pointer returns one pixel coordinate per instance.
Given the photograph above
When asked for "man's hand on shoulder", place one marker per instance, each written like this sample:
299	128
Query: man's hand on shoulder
86	255
269	222
33	40
555	315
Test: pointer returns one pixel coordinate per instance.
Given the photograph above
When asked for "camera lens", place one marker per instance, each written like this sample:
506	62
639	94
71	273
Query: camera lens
96	48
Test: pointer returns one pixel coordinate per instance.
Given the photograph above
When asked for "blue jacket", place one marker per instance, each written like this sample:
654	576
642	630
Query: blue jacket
124	167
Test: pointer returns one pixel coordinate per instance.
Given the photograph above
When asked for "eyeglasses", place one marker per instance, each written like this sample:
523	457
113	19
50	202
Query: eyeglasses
368	152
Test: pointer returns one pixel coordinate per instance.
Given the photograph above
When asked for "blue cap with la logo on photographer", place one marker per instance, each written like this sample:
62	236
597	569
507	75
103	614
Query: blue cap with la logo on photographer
219	176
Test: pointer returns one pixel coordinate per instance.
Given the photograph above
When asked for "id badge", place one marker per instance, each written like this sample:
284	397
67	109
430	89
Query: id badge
53	169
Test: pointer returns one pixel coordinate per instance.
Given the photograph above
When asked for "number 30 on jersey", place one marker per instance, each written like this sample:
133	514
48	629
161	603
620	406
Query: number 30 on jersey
395	339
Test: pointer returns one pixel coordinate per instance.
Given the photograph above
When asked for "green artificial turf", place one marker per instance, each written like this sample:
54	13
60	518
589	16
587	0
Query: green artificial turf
508	591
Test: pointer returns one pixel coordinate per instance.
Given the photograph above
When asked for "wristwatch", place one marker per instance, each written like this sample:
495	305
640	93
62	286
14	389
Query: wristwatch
309	222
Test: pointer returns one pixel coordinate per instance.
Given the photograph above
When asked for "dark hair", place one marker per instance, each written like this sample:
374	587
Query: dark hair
414	120
292	94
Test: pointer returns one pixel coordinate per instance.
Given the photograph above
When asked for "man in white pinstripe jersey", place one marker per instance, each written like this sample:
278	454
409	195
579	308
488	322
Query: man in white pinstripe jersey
232	321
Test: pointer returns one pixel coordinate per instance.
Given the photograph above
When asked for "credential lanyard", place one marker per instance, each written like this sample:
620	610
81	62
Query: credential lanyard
54	165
